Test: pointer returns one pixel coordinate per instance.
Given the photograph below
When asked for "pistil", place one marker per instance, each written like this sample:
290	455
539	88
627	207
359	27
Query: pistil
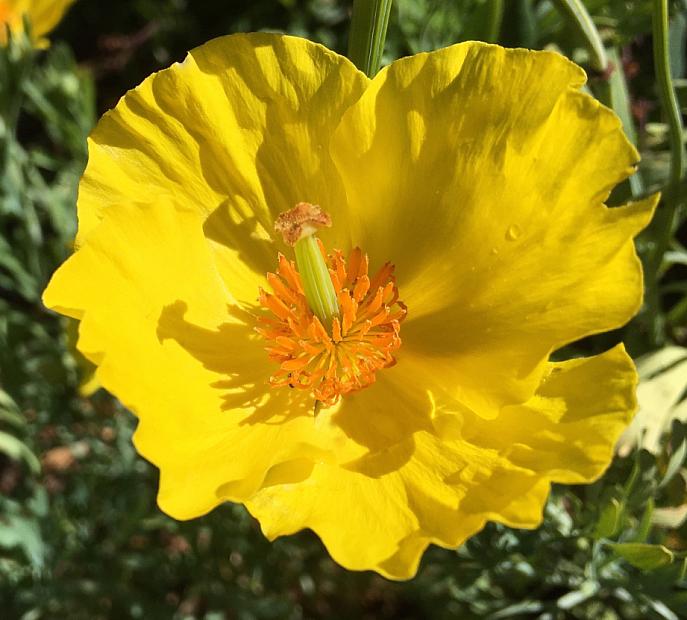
298	227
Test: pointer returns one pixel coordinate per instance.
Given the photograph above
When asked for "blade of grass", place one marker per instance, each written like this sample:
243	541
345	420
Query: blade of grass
581	20
368	33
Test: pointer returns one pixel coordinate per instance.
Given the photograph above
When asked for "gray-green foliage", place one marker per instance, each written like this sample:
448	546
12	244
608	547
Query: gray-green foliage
80	534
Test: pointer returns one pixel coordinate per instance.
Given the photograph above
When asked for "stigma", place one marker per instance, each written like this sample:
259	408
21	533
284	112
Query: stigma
335	348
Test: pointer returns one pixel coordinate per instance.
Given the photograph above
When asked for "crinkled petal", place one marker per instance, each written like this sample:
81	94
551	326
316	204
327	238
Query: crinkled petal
568	430
158	321
449	486
493	167
238	132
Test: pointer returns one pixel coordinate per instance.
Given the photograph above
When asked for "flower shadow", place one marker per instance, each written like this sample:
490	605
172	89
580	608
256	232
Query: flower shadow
234	350
241	231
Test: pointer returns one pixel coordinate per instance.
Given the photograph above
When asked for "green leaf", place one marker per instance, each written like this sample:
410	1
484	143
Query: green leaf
643	555
619	99
663	610
644	526
20	530
580	19
609	520
9	411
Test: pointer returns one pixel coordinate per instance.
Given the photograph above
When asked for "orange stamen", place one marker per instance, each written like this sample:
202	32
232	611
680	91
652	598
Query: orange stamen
362	339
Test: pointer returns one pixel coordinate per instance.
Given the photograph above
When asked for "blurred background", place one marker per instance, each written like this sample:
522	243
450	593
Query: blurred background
80	533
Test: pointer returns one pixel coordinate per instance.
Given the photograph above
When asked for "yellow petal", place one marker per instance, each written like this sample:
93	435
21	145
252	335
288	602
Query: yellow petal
238	132
158	321
385	413
443	490
46	14
568	430
481	172
418	499
43	15
376	512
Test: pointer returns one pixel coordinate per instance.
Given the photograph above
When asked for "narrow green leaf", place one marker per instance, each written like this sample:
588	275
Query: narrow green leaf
7	403
368	34
619	100
11	417
582	594
524	608
663	610
580	19
18	451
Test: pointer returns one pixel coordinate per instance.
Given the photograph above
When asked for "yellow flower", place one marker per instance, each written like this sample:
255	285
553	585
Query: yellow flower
43	15
478	172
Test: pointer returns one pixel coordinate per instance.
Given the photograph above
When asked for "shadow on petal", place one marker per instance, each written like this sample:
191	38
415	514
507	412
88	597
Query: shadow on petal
236	351
239	229
383	461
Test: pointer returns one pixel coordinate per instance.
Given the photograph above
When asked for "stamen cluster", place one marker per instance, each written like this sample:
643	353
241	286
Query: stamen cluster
332	360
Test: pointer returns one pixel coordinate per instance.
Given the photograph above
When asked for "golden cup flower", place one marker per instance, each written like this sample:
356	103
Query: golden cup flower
469	239
43	15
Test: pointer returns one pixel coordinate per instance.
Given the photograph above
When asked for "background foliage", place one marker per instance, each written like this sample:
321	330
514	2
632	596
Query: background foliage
80	534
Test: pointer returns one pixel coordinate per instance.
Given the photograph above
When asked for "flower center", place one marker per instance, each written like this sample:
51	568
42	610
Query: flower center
334	346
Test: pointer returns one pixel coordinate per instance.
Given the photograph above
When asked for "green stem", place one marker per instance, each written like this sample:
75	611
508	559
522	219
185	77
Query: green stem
665	220
671	201
495	10
582	21
368	33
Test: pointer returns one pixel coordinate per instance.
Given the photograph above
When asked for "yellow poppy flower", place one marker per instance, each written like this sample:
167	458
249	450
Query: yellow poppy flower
468	240
43	15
